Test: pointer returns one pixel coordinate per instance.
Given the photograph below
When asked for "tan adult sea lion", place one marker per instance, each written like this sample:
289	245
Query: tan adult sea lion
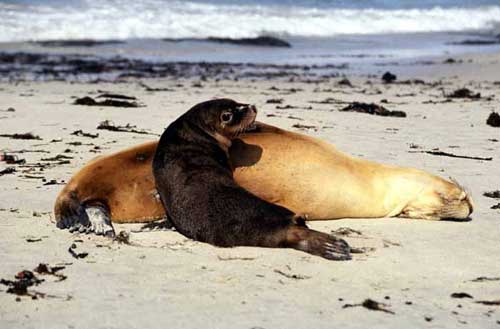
301	173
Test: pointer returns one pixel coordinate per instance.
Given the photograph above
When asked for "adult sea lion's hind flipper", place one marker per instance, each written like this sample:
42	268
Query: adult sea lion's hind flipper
82	218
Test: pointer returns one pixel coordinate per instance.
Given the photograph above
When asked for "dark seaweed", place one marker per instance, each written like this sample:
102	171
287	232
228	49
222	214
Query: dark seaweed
372	108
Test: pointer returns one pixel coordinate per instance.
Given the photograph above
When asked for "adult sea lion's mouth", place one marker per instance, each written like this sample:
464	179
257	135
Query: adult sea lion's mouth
251	115
251	127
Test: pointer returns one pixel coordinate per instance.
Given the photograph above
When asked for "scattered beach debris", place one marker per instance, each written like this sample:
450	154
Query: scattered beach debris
301	126
292	276
489	302
76	255
496	206
8	170
371	305
34	176
428	318
485	279
292	107
416	82
329	100
372	108
48	270
464	93
451	61
274	101
430	101
11	159
53	181
286	90
345	82
492	194
89	101
21	136
371	91
116	96
81	133
26	279
406	95
122	237
10	109
493	119
128	128
388	77
31	240
388	243
58	157
451	155
460	295
32	151
57	160
148	88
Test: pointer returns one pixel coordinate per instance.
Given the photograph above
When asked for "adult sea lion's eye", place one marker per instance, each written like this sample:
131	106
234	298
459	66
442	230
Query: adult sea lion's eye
226	116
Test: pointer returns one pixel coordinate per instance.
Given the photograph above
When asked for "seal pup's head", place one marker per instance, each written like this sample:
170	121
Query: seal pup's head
439	199
224	119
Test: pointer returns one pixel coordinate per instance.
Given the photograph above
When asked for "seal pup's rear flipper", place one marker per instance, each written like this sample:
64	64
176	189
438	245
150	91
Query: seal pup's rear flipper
317	243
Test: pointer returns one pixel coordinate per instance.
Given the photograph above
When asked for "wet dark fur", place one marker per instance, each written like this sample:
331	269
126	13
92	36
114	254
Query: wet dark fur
196	185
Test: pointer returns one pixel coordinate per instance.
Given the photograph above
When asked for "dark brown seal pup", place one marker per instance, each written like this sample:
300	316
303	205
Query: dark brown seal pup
196	185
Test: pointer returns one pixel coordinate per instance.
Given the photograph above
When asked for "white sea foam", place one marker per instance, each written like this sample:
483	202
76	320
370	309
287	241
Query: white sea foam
121	19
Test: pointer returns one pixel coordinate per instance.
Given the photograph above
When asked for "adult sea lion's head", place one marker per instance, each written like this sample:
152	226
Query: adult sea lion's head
440	199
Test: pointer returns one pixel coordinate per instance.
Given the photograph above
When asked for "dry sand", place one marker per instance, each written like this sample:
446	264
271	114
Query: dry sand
165	280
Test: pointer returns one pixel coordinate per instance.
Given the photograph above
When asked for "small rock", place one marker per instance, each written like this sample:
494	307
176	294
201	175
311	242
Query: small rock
388	77
493	119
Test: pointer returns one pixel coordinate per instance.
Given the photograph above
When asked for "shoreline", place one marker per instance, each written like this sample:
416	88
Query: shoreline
313	58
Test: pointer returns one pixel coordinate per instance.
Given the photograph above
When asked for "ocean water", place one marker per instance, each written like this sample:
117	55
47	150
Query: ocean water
320	31
23	20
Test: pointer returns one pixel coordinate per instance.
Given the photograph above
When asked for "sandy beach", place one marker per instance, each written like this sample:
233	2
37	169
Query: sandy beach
418	269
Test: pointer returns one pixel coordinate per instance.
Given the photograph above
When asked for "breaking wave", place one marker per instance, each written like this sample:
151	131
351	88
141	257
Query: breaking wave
122	19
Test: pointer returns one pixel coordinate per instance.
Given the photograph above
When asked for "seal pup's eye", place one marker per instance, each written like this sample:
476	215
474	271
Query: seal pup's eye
226	117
